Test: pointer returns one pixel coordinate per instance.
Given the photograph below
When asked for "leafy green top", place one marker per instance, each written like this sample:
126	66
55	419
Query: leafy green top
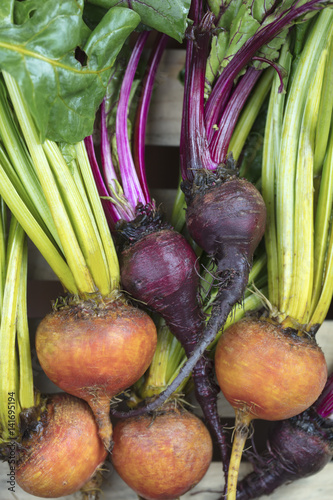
62	66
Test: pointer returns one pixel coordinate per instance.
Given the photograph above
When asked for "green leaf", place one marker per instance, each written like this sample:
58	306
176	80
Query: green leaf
63	95
166	16
6	11
241	29
237	24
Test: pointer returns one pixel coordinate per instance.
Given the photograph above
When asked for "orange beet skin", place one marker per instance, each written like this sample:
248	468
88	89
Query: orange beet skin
270	373
63	453
95	353
162	457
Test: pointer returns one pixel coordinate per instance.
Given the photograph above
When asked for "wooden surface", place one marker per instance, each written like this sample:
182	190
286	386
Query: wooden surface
318	487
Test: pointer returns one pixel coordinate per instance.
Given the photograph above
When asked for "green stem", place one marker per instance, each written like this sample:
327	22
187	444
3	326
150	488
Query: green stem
250	113
35	232
302	275
178	212
285	194
70	244
112	264
26	391
8	364
26	180
2	252
93	265
271	151
323	280
326	295
325	112
165	363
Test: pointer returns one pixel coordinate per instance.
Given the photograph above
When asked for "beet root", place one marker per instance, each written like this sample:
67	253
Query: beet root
226	213
95	351
161	270
62	452
296	448
226	217
163	456
265	372
269	372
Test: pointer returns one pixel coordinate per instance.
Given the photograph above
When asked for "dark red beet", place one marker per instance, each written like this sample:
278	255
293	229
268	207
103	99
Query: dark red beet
161	270
297	447
226	214
227	219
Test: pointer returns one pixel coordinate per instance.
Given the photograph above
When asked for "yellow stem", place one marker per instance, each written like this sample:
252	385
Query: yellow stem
9	403
26	386
70	245
302	276
243	420
97	209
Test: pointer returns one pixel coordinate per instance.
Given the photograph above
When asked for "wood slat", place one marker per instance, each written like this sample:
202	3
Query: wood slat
317	487
164	118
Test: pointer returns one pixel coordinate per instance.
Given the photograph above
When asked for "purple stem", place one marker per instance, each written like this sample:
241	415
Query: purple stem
111	212
130	182
109	172
280	71
219	96
141	118
194	143
221	139
124	210
324	404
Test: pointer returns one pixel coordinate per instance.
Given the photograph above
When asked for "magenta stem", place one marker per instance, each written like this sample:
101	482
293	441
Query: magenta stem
219	96
111	212
324	404
130	182
142	113
194	143
221	139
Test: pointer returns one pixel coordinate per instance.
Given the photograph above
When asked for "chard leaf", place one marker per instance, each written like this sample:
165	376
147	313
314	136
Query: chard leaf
62	94
237	25
214	6
241	29
218	49
6	11
166	16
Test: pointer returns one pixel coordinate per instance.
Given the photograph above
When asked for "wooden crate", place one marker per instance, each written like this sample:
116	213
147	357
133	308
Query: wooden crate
162	155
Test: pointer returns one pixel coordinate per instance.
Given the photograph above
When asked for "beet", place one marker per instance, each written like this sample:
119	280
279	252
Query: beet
61	452
226	216
161	270
104	348
162	456
266	372
296	448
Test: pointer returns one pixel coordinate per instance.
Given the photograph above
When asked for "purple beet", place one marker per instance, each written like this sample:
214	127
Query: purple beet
161	270
297	448
226	216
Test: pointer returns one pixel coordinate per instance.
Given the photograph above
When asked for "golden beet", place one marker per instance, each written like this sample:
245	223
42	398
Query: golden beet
268	372
95	353
164	456
63	453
